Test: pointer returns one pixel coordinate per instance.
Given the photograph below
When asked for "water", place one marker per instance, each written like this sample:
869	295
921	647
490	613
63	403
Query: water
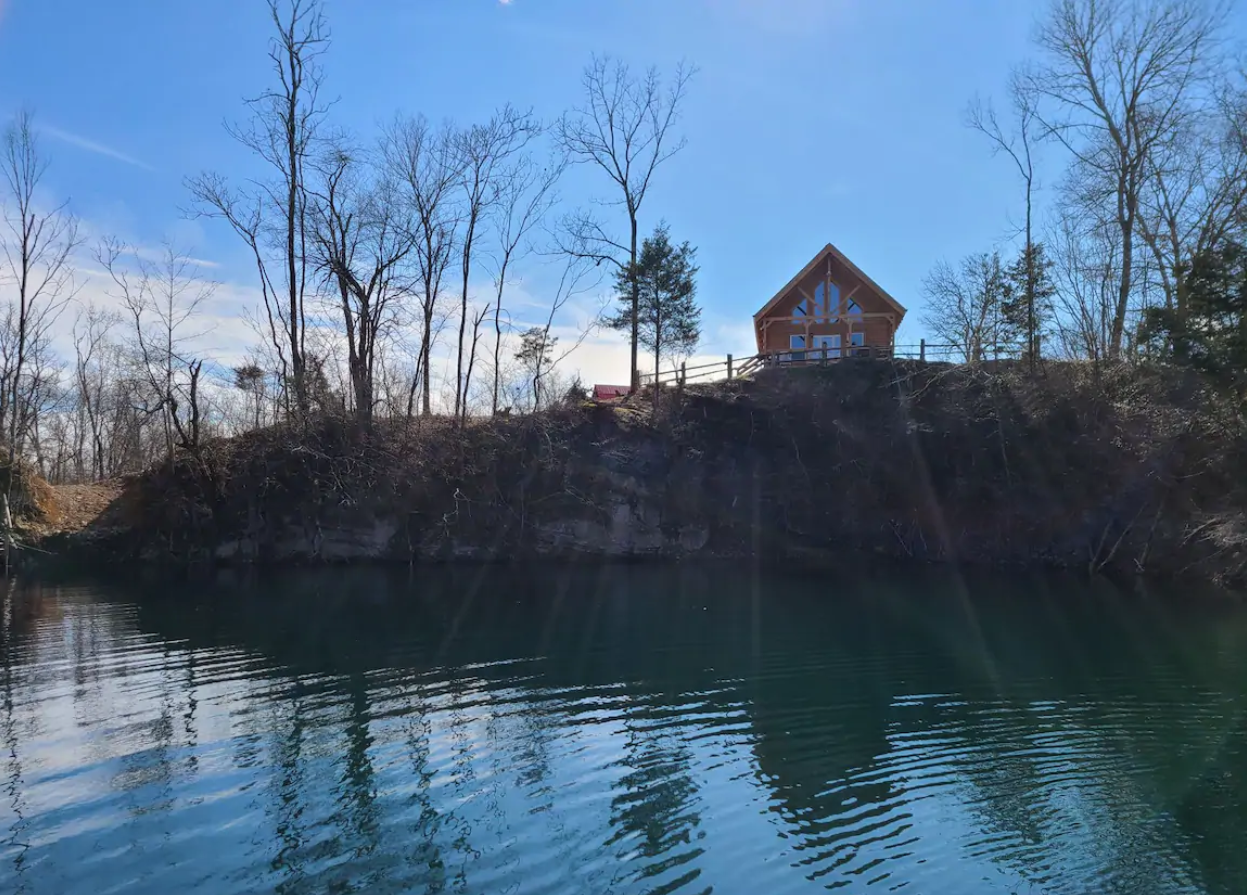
621	730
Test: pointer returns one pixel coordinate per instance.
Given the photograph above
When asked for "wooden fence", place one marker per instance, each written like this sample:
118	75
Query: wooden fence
732	367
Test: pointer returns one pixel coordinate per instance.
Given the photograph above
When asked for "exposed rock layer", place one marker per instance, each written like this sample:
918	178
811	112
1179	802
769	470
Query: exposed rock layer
1116	469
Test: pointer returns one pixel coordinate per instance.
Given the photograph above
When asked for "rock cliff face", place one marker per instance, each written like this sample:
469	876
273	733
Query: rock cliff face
1111	469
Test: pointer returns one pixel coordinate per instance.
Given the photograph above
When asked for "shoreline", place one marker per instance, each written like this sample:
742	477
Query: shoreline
1114	473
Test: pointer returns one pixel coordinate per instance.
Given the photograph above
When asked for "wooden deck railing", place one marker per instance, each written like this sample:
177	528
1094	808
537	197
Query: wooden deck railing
733	367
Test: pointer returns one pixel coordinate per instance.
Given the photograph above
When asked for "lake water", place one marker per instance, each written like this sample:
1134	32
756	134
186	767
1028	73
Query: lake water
621	730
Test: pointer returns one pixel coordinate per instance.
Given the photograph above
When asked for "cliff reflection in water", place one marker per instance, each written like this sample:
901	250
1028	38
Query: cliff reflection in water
623	729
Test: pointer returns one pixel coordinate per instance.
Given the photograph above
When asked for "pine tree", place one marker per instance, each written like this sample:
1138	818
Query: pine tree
1210	332
1027	307
536	356
669	320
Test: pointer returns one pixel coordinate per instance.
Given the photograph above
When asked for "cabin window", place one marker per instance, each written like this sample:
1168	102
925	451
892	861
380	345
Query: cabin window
857	340
826	302
828	347
797	344
822	306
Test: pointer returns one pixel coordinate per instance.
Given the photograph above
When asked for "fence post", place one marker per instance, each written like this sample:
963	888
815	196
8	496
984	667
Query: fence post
729	366
683	373
922	349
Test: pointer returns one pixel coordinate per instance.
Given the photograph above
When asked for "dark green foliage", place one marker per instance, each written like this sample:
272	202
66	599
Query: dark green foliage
536	348
1209	331
668	318
536	356
987	309
576	392
248	377
1027	307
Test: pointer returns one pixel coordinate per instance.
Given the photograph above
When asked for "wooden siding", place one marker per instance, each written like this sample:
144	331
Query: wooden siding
878	320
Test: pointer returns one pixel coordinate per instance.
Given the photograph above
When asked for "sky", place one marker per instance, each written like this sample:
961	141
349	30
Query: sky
808	122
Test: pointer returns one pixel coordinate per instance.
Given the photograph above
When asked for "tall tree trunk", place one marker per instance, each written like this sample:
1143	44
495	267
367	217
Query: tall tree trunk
15	412
294	172
636	298
502	279
426	351
657	338
460	398
1127	205
1032	279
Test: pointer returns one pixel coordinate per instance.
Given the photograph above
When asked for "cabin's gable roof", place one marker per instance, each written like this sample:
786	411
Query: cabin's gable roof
830	251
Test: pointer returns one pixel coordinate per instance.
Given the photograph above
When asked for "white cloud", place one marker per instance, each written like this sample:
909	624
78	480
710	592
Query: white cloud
225	336
92	146
159	255
222	334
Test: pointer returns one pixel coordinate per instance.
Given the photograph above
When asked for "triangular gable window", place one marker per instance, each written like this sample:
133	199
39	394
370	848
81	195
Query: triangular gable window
824	305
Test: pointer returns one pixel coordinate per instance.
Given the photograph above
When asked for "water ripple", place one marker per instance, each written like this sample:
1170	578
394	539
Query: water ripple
800	743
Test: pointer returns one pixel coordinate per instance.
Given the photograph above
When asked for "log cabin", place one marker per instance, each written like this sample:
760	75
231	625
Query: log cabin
831	309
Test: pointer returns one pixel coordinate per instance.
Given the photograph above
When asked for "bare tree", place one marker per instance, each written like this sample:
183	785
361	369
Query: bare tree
37	249
623	128
537	353
91	331
526	195
1017	143
1119	75
364	234
161	299
424	162
478	318
965	304
393	378
483	150
1086	266
272	217
1195	194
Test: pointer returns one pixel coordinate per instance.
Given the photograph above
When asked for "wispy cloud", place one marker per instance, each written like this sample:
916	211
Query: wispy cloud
92	146
147	253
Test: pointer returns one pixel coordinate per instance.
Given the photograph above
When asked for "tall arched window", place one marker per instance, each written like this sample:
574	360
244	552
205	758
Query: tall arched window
824	305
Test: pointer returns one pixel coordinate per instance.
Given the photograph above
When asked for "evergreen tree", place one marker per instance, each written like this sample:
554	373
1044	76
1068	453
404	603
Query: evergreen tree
669	320
576	392
1210	332
1027	306
536	357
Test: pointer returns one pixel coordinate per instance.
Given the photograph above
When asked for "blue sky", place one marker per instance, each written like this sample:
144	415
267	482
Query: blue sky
810	121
